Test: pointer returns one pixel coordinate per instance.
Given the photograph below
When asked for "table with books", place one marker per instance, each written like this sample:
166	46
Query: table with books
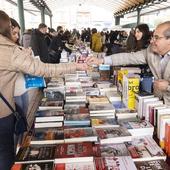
86	123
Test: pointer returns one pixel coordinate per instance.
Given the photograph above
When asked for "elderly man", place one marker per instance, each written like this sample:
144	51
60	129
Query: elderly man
157	56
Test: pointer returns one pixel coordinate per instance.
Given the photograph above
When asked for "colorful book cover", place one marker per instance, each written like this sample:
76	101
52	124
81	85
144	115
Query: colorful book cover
111	150
71	150
152	165
75	166
49	115
48	136
79	134
34	166
115	163
35	153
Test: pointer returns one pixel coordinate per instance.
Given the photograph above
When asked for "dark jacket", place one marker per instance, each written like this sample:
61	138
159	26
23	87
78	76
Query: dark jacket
39	45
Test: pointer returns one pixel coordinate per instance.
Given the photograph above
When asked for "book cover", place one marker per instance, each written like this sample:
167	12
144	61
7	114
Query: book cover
34	166
152	165
49	115
145	148
101	108
104	122
35	153
75	166
115	163
79	135
74	150
77	119
98	99
138	127
48	104
130	87
48	136
113	135
111	150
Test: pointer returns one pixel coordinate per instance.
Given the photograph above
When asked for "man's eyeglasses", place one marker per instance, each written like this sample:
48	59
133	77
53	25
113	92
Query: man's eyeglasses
156	37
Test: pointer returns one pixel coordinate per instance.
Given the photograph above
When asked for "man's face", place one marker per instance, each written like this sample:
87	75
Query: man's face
159	43
44	30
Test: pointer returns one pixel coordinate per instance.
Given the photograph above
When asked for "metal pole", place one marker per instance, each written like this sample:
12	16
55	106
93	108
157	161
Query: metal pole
138	15
42	15
21	15
51	23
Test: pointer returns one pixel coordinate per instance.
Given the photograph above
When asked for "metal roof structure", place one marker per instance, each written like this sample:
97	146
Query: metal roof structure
118	7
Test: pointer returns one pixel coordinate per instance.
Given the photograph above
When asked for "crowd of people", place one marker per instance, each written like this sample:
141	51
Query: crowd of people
140	47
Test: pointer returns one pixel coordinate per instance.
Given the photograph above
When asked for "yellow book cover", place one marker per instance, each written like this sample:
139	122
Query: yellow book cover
130	87
121	73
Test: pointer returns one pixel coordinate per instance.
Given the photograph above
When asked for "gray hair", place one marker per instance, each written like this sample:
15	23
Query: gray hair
166	32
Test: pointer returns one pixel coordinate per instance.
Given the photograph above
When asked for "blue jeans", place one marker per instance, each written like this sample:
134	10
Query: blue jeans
7	154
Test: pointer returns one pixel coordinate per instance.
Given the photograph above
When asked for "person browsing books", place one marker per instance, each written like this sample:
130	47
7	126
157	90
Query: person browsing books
153	56
13	60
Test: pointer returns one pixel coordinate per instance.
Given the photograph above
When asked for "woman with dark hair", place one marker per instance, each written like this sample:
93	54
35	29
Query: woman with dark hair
143	36
14	60
15	31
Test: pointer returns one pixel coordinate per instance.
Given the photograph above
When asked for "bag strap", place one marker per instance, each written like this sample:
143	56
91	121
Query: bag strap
6	102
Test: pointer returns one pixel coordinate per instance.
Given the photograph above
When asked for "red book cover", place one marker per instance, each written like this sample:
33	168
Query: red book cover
151	115
72	150
168	141
167	131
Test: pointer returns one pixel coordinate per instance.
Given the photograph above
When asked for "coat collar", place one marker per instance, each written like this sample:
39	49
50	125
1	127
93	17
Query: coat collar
5	41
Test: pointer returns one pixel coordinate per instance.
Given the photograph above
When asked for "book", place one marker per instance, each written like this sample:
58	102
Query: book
35	153
104	122
73	152
79	135
130	87
101	108
34	166
98	99
49	116
152	165
48	104
48	136
145	149
75	166
54	94
115	163
111	150
77	119
139	97
163	120
113	135
125	113
138	127
48	124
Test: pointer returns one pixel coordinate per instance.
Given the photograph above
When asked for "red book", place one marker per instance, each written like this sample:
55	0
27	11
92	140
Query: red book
74	150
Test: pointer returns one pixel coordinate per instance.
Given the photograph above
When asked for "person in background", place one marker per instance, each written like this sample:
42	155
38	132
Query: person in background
143	37
13	60
15	31
26	38
38	42
96	41
157	56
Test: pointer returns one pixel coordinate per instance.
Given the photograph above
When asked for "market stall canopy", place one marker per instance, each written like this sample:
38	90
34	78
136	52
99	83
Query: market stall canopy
118	7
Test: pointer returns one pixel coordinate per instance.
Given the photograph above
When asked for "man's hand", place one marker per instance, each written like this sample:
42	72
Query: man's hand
161	85
81	66
93	60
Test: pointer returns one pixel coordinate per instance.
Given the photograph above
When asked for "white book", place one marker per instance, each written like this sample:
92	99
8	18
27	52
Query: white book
48	124
145	101
163	120
139	102
160	112
144	149
151	104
